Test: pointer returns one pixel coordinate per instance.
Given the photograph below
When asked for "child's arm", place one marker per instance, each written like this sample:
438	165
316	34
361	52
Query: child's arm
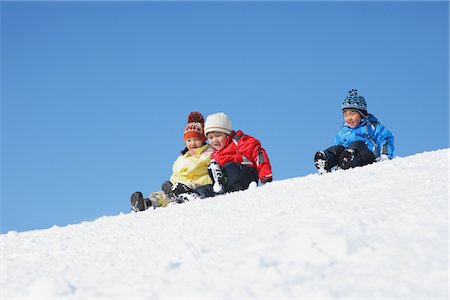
385	141
250	148
262	163
337	139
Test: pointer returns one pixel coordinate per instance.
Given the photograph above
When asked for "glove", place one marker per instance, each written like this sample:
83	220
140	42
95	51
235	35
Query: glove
265	180
382	157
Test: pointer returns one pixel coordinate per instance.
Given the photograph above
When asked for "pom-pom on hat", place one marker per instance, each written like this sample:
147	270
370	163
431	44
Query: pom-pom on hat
355	102
195	127
218	122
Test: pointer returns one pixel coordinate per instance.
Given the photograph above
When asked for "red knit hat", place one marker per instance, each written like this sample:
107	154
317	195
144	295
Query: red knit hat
195	127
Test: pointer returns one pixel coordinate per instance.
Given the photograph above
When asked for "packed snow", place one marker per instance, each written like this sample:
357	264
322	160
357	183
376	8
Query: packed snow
374	232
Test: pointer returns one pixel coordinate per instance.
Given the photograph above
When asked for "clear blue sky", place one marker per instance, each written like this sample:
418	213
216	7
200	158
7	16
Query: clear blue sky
95	96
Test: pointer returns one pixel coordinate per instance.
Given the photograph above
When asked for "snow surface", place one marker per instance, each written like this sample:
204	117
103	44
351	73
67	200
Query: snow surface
376	232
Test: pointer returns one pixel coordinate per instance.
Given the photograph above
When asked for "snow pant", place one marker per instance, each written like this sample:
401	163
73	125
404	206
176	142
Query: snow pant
205	191
237	178
365	156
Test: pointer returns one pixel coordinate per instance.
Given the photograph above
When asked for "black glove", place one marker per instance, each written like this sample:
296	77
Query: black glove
265	180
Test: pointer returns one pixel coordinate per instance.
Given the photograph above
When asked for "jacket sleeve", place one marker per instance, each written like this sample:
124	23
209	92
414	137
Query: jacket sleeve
262	162
385	140
337	139
176	173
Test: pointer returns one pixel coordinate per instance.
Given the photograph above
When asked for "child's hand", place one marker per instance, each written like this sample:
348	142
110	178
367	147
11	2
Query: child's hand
382	157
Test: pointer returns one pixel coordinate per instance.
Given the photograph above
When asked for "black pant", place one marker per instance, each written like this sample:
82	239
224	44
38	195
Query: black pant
237	178
366	156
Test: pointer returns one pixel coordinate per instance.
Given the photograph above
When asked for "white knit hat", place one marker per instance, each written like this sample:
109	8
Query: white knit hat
218	122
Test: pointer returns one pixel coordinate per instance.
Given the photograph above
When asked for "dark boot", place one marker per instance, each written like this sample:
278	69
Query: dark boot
328	160
167	189
173	190
138	202
321	162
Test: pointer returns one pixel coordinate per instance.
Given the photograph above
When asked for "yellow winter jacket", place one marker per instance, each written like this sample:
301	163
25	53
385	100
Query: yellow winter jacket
191	168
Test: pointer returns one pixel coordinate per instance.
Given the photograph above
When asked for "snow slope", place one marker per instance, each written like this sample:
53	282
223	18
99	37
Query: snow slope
376	232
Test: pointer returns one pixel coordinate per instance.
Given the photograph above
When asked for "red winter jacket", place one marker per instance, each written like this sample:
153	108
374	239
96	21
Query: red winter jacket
244	149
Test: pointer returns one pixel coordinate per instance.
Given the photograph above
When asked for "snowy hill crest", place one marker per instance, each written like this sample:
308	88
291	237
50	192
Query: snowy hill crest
379	231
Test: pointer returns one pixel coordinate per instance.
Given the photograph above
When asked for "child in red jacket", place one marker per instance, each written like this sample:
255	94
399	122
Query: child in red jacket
238	159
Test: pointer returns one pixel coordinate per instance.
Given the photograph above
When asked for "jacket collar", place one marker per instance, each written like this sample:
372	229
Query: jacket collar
198	151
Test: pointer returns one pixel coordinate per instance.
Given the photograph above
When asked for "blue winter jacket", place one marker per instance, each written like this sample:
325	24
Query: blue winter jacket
378	138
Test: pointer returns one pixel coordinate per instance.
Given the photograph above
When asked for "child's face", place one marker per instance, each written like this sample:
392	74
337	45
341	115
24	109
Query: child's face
217	139
193	143
352	118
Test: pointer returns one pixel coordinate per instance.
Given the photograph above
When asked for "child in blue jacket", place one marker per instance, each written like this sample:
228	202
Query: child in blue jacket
362	139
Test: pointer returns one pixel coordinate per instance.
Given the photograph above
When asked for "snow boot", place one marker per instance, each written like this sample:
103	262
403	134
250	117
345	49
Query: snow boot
167	188
173	190
349	159
138	202
217	176
321	162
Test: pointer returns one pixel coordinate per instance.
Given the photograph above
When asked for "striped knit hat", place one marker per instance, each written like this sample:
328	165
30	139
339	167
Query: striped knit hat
195	127
355	102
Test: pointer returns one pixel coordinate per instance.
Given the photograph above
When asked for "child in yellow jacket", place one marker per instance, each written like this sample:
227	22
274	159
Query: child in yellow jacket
189	171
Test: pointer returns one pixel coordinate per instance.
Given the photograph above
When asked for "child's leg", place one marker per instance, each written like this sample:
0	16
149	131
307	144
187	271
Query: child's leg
333	154
159	199
139	203
205	191
218	178
238	176
173	190
357	154
366	156
330	157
